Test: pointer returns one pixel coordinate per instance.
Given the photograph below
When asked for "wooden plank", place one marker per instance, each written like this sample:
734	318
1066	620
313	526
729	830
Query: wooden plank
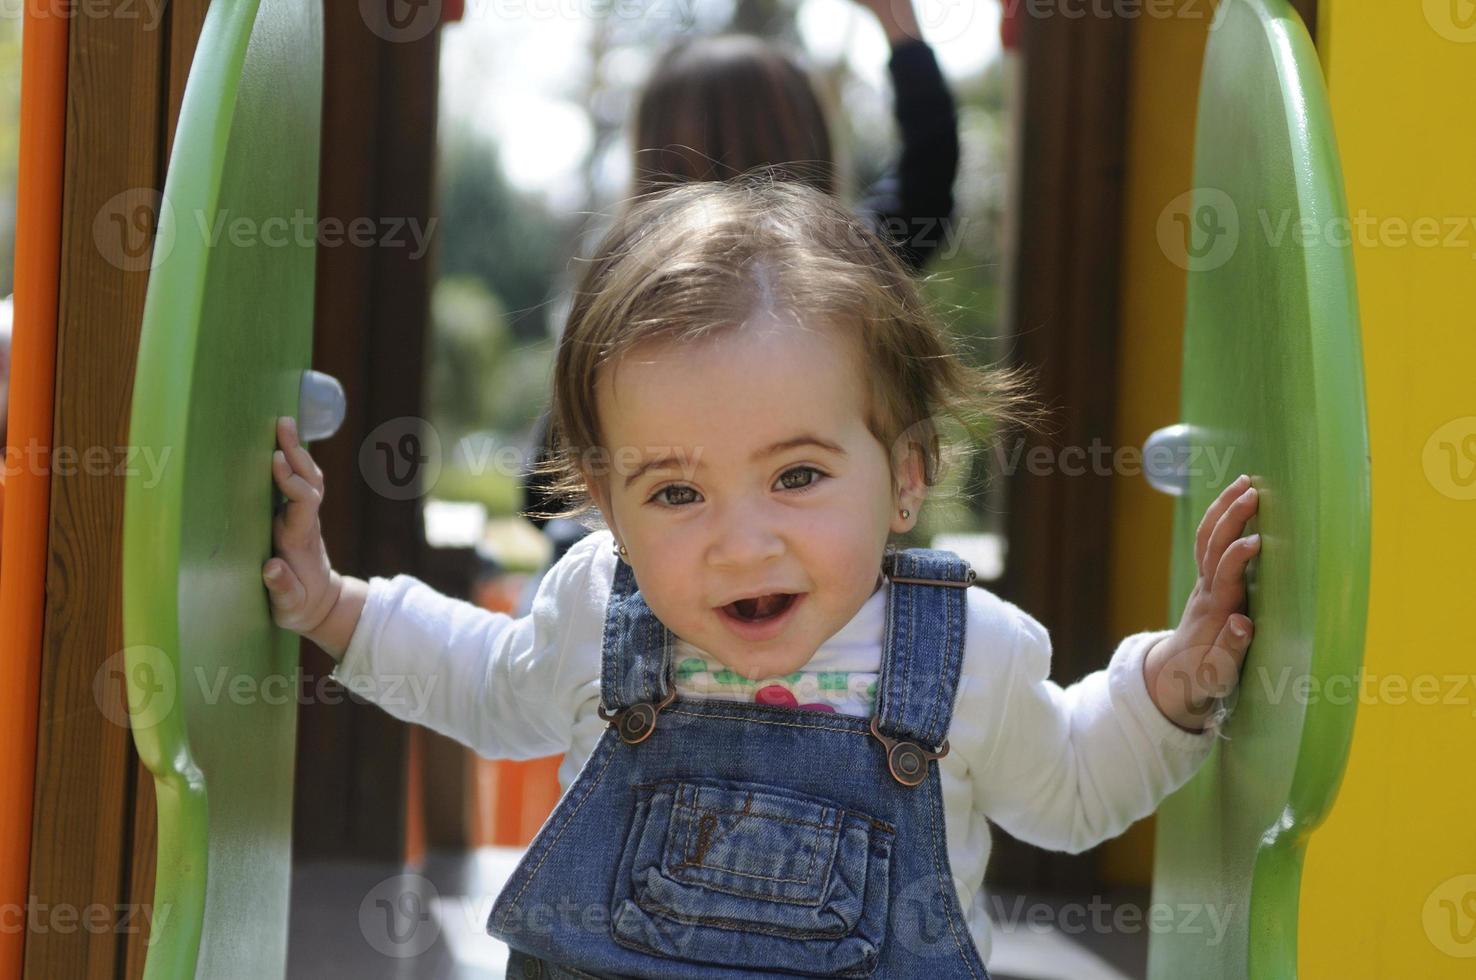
394	534
85	776
380	103
140	877
1064	318
445	795
326	732
186	17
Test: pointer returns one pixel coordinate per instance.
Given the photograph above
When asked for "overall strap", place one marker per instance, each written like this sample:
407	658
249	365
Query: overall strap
923	648
637	647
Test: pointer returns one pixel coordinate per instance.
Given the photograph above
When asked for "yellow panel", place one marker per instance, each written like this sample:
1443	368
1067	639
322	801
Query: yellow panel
1167	55
1389	888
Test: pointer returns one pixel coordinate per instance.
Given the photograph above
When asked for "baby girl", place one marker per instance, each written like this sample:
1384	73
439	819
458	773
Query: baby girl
748	391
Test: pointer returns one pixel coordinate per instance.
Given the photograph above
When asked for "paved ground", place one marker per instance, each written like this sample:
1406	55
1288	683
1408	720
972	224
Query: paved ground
371	922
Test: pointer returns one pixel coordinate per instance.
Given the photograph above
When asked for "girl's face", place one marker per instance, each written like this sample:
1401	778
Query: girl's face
772	485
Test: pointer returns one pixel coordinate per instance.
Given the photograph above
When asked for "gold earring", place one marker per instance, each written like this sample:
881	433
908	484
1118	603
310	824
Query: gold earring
621	550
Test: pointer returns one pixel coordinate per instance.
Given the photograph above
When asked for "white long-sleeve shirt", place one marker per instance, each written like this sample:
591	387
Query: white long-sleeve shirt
1060	768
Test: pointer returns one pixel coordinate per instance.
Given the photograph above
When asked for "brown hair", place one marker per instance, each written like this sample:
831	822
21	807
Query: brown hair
718	107
685	265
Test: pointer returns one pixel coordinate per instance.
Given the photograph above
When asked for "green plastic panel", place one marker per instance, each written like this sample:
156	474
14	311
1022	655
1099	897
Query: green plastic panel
227	333
1273	387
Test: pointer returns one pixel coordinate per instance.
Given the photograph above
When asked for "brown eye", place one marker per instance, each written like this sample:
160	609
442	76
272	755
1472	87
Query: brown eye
660	495
815	477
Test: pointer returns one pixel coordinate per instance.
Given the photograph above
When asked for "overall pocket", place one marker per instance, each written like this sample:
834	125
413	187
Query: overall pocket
752	876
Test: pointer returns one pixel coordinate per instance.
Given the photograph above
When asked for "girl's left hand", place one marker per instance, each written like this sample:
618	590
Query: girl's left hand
1201	661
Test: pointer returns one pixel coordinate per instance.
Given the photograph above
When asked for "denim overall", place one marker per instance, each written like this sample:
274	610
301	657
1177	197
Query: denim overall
706	839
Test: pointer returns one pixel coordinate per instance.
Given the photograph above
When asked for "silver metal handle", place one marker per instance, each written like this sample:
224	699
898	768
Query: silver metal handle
1166	460
321	406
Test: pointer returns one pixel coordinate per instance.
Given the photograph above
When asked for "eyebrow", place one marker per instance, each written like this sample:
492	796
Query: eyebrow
794	442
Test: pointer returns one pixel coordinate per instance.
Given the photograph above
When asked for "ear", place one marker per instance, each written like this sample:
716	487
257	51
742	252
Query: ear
910	490
599	493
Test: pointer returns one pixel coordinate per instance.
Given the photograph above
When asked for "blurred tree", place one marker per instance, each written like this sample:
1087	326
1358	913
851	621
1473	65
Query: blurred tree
483	383
964	285
10	58
489	231
520	252
469	337
481	376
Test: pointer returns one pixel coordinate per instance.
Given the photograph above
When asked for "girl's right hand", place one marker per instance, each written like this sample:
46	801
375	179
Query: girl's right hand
300	579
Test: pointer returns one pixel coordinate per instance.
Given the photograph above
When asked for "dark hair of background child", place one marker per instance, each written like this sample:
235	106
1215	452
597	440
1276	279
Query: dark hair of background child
717	107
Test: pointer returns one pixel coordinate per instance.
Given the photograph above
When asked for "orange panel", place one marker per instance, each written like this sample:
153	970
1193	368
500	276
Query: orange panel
28	486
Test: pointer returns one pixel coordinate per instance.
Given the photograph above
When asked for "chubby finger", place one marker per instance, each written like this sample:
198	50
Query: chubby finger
1229	527
297	524
1227	582
1212	514
1220	671
293	485
284	588
287	432
1203	673
300	460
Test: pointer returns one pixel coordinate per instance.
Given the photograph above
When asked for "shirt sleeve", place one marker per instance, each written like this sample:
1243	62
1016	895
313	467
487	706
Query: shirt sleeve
1066	769
910	204
510	688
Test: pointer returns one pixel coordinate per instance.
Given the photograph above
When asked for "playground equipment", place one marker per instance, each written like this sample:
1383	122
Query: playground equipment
1328	847
227	336
1272	384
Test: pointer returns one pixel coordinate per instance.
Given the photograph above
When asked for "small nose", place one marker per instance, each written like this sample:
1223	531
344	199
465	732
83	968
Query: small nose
744	538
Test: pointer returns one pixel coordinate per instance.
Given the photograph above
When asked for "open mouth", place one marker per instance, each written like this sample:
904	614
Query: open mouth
760	608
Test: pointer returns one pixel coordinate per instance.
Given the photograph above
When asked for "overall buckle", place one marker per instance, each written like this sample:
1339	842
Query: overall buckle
635	723
908	760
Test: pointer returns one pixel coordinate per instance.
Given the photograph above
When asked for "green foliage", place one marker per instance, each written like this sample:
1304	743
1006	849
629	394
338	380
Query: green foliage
469	337
965	285
490	232
502	253
481	380
501	493
10	59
